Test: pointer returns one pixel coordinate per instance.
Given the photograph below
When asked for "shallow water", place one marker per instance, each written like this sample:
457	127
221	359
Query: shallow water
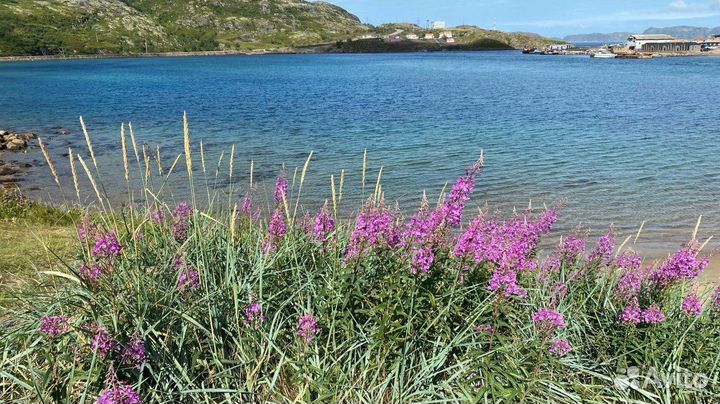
623	141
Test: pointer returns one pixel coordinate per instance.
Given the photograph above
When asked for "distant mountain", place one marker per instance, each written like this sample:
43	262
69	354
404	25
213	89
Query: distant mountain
682	31
611	37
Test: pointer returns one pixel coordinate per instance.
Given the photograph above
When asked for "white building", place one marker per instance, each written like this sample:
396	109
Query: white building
636	42
411	36
446	34
438	25
429	35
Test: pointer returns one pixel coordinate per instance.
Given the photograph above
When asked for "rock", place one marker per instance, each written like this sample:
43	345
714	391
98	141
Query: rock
16	144
7	170
62	132
27	136
4	133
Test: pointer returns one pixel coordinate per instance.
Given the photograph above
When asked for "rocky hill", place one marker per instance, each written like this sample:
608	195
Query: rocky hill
36	27
108	27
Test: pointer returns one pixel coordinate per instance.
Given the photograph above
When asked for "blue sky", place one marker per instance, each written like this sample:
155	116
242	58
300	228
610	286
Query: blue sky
548	17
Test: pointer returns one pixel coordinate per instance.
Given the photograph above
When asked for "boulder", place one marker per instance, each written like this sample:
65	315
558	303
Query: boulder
16	144
4	133
62	132
27	136
7	170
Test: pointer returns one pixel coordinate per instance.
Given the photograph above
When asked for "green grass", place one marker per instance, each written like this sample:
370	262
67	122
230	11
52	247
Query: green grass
386	334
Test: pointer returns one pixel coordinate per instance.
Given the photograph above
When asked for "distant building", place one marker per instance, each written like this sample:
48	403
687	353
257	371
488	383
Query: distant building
394	38
411	36
559	47
446	34
429	35
450	40
661	43
438	25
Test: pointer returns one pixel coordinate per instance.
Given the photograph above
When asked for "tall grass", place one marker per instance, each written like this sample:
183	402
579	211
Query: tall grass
436	308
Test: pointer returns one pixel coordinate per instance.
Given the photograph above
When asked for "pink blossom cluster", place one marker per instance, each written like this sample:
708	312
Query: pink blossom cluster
375	228
254	316
307	328
277	228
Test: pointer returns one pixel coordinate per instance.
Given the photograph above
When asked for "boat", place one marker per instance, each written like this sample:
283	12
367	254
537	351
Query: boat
603	55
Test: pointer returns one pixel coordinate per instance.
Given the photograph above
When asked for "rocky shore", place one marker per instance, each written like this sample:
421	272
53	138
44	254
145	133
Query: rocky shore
17	155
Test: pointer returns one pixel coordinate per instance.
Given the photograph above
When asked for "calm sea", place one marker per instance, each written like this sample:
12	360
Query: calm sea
623	141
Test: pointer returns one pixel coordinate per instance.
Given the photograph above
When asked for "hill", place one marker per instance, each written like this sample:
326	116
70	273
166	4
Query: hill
111	27
37	27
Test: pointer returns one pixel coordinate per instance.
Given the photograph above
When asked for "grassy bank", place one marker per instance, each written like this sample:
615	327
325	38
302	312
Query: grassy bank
218	301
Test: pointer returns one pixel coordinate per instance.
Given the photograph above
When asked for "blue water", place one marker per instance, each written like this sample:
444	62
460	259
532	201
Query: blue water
623	141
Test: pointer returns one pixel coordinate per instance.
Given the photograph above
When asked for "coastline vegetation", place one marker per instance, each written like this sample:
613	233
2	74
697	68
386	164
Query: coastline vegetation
218	301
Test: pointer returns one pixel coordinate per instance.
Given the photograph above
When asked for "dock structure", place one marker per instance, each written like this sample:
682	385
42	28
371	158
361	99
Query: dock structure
661	43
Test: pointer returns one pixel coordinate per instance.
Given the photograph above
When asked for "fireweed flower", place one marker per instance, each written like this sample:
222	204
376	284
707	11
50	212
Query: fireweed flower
247	207
157	216
102	341
107	246
181	220
715	299
324	224
560	347
90	273
632	315
117	392
631	282
308	328
134	352
452	209
684	264
572	247
375	227
485	329
189	278
691	305
628	261
86	229
54	325
504	283
254	316
549	320
653	315
510	244
281	187
422	260
603	249
276	230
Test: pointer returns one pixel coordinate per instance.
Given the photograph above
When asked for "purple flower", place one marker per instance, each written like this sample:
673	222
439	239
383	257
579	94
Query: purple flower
181	220
691	305
422	260
254	316
603	249
684	264
504	283
560	347
485	329
54	325
572	247
631	282
90	274
134	352
157	216
281	187
189	278
510	244
632	314
308	328
374	228
715	299
107	246
276	230
86	229
324	224
117	392
549	320
653	315
102	341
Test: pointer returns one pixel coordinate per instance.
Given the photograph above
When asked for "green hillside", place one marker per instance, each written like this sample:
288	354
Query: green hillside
105	27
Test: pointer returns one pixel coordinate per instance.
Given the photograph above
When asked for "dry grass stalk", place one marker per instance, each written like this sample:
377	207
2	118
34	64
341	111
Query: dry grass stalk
134	143
49	161
186	142
123	145
89	144
92	180
74	173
